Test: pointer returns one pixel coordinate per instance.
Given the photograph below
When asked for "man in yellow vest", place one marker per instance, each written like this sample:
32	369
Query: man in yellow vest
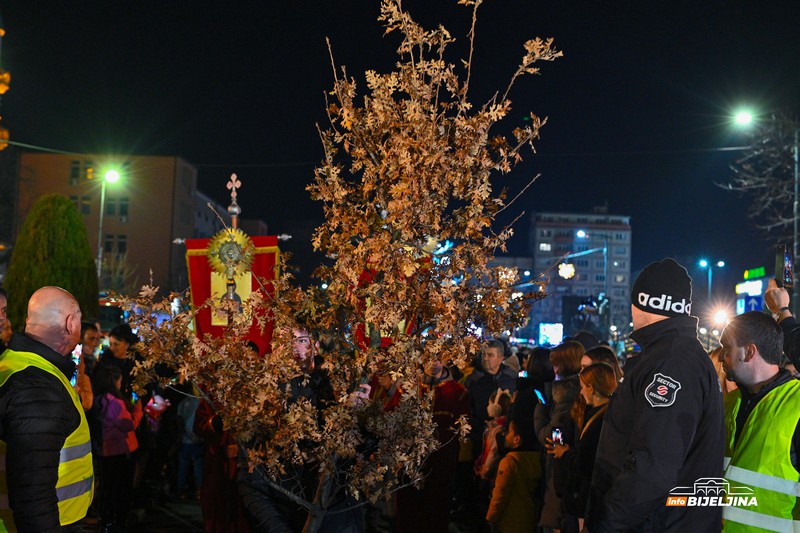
761	419
44	438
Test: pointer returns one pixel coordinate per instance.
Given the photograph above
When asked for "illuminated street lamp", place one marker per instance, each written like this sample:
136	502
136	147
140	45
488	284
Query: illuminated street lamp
707	264
111	176
721	317
581	234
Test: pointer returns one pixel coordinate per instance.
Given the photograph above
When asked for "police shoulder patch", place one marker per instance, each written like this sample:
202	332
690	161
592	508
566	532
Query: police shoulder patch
662	391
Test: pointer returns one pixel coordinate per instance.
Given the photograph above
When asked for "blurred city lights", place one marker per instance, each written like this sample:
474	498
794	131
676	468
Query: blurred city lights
566	270
721	317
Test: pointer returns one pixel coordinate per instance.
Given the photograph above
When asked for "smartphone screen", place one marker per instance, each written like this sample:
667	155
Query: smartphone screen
76	358
558	436
76	354
784	267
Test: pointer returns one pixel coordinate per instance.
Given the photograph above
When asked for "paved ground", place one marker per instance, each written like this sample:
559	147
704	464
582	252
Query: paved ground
171	516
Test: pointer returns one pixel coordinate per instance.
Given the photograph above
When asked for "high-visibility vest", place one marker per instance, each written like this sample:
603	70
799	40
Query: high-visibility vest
75	485
761	461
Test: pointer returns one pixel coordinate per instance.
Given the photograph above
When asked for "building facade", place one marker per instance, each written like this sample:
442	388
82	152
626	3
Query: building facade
147	212
585	261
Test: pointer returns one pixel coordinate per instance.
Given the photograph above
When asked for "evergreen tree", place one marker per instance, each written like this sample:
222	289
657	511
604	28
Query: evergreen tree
52	249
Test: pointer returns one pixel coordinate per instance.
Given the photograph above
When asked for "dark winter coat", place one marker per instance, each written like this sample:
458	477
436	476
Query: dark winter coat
481	387
664	428
36	417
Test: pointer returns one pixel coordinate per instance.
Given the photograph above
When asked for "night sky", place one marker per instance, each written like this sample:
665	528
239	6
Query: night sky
638	108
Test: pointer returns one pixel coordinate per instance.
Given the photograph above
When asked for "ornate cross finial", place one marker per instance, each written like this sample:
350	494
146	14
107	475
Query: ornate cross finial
234	210
234	184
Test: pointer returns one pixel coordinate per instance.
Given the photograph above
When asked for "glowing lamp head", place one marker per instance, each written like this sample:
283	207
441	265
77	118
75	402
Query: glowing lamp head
743	118
112	176
721	317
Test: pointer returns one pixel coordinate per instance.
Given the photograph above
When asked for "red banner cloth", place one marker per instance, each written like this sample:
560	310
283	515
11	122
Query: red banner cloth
265	266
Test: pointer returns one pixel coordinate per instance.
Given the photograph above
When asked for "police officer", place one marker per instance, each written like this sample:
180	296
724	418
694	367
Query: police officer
664	425
44	437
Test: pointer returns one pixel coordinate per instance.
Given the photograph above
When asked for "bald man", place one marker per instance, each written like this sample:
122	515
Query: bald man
44	437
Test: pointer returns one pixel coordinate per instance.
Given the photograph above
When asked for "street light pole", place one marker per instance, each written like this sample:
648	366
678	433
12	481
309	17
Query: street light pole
110	176
100	229
604	236
795	216
708	265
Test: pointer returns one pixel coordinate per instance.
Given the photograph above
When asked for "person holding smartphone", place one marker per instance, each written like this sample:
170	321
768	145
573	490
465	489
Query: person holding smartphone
598	382
80	381
777	300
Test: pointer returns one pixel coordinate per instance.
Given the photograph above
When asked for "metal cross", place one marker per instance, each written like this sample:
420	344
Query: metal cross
234	184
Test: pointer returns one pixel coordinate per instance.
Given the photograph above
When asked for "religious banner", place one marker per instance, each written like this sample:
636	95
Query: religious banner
206	258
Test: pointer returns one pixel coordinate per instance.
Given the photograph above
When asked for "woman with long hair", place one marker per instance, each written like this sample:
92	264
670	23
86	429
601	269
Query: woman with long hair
554	415
602	354
598	382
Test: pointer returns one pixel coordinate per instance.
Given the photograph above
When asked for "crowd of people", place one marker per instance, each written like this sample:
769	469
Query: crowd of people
568	438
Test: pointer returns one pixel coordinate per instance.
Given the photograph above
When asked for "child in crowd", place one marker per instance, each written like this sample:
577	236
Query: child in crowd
119	420
516	491
498	408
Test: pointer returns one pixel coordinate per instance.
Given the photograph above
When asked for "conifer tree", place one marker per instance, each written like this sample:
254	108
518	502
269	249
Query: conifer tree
52	249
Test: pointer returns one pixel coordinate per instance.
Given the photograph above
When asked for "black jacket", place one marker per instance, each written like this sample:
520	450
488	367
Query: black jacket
36	417
481	386
791	340
664	428
577	465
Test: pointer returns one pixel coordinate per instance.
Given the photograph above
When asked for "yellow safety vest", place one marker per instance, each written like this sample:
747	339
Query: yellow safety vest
761	461
75	485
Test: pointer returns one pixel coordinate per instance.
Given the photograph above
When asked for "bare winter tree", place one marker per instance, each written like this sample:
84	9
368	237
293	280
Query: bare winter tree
766	172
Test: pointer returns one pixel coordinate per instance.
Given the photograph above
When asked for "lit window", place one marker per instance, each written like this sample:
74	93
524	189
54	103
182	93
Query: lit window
545	247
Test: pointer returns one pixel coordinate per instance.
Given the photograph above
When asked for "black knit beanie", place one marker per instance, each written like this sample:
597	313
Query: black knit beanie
663	288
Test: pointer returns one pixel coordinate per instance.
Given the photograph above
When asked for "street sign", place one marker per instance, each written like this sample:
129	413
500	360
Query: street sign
749	303
754	303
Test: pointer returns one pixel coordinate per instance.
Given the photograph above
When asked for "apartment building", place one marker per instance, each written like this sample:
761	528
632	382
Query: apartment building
585	259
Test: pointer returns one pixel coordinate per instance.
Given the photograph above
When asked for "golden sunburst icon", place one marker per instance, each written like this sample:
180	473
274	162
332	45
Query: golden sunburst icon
231	252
